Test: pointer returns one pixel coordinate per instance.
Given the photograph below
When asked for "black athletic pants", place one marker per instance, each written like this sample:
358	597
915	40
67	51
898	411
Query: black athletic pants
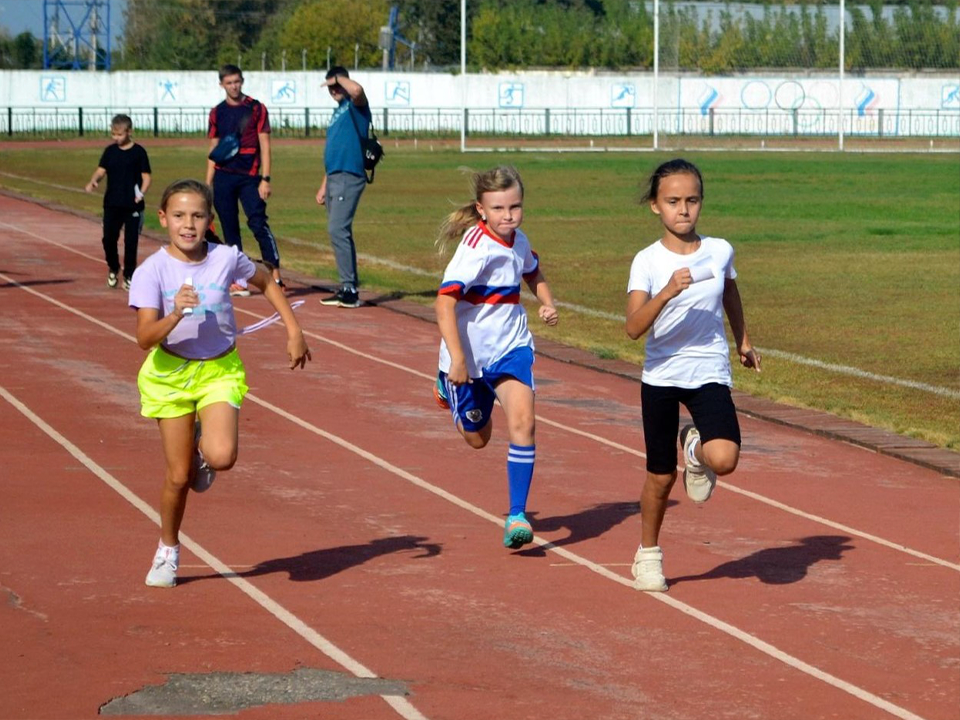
130	220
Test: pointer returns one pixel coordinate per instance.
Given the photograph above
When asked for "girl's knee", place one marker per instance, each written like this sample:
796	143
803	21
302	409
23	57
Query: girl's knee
178	477
522	428
725	466
477	439
660	484
722	459
220	457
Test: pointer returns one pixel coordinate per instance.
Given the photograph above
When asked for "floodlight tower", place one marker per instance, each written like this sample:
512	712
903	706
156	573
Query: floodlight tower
390	36
76	34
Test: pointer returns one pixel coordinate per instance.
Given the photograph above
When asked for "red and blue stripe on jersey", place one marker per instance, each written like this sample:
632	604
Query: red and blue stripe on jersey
482	294
487	294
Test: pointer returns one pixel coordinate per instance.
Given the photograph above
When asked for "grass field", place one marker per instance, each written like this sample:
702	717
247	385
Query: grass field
847	259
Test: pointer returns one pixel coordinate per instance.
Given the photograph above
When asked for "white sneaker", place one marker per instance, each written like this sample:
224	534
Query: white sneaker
163	572
204	475
698	480
648	570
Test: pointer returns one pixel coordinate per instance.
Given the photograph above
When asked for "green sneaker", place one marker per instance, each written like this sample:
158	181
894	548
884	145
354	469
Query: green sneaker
517	531
440	395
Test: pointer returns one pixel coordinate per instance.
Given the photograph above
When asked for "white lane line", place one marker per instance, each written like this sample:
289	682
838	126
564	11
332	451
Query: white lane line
552	423
605	315
43	182
403	707
716	623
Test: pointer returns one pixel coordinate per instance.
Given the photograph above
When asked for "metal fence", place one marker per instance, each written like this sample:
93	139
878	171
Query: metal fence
526	122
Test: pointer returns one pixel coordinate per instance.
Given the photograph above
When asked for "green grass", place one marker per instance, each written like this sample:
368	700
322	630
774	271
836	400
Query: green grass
849	259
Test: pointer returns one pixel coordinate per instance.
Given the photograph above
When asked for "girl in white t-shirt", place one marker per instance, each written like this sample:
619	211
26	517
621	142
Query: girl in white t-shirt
486	351
679	289
193	375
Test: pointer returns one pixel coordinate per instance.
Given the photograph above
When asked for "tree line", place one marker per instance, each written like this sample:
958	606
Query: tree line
513	34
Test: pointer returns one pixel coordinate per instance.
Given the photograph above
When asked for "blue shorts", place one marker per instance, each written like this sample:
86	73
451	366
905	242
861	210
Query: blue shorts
471	404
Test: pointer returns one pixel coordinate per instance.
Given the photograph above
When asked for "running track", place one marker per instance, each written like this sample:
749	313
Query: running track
359	538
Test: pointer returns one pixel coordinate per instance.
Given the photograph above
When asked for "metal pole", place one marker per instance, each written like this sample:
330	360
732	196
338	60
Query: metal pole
656	73
843	18
463	75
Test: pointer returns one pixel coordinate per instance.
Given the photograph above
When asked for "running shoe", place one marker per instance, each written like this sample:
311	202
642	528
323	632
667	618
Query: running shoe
112	280
238	290
163	571
648	570
698	480
126	283
204	475
517	531
440	394
344	297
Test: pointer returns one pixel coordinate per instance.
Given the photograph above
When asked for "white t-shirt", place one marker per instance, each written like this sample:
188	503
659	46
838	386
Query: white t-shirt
687	344
484	276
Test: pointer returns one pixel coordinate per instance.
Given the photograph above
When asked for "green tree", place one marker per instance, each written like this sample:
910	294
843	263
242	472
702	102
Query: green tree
169	34
23	52
27	51
340	25
434	25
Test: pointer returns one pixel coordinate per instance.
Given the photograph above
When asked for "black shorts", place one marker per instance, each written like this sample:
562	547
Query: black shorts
710	406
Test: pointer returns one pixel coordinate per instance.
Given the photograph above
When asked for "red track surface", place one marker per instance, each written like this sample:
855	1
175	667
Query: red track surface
821	581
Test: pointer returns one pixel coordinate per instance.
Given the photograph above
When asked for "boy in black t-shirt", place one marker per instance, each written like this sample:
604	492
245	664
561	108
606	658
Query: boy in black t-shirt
127	169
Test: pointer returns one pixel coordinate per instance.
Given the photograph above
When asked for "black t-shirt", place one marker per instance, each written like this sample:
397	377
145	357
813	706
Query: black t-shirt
124	168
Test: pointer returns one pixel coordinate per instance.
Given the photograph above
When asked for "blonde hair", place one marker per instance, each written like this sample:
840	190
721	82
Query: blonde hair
497	179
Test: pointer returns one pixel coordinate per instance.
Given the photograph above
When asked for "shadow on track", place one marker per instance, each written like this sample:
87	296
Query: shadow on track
320	564
779	566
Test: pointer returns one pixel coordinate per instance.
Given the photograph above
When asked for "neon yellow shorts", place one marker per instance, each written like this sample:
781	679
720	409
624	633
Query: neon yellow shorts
171	386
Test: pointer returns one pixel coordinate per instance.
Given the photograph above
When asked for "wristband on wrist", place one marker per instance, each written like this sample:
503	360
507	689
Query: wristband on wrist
266	178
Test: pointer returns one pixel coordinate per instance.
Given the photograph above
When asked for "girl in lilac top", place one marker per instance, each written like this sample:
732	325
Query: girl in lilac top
193	376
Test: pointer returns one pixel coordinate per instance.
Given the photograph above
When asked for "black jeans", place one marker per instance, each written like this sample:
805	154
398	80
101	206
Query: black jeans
130	220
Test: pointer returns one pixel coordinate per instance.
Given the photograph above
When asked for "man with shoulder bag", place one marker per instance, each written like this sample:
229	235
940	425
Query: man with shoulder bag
346	157
238	169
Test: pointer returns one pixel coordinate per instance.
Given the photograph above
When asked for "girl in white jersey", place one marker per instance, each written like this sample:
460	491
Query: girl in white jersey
193	374
487	351
679	289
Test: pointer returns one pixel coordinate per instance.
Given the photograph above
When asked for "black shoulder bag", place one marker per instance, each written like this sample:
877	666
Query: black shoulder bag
370	146
229	145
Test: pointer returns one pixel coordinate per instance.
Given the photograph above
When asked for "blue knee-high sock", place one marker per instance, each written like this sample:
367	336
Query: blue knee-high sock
520	462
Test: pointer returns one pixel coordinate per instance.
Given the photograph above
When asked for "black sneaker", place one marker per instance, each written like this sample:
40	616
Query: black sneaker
342	298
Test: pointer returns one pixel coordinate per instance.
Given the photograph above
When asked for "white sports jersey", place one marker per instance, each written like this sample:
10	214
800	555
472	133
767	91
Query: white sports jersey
687	344
484	276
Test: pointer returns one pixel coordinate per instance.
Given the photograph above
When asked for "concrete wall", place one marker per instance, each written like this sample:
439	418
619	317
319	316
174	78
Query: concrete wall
612	101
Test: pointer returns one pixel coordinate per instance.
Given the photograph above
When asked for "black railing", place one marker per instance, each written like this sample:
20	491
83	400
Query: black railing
44	122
